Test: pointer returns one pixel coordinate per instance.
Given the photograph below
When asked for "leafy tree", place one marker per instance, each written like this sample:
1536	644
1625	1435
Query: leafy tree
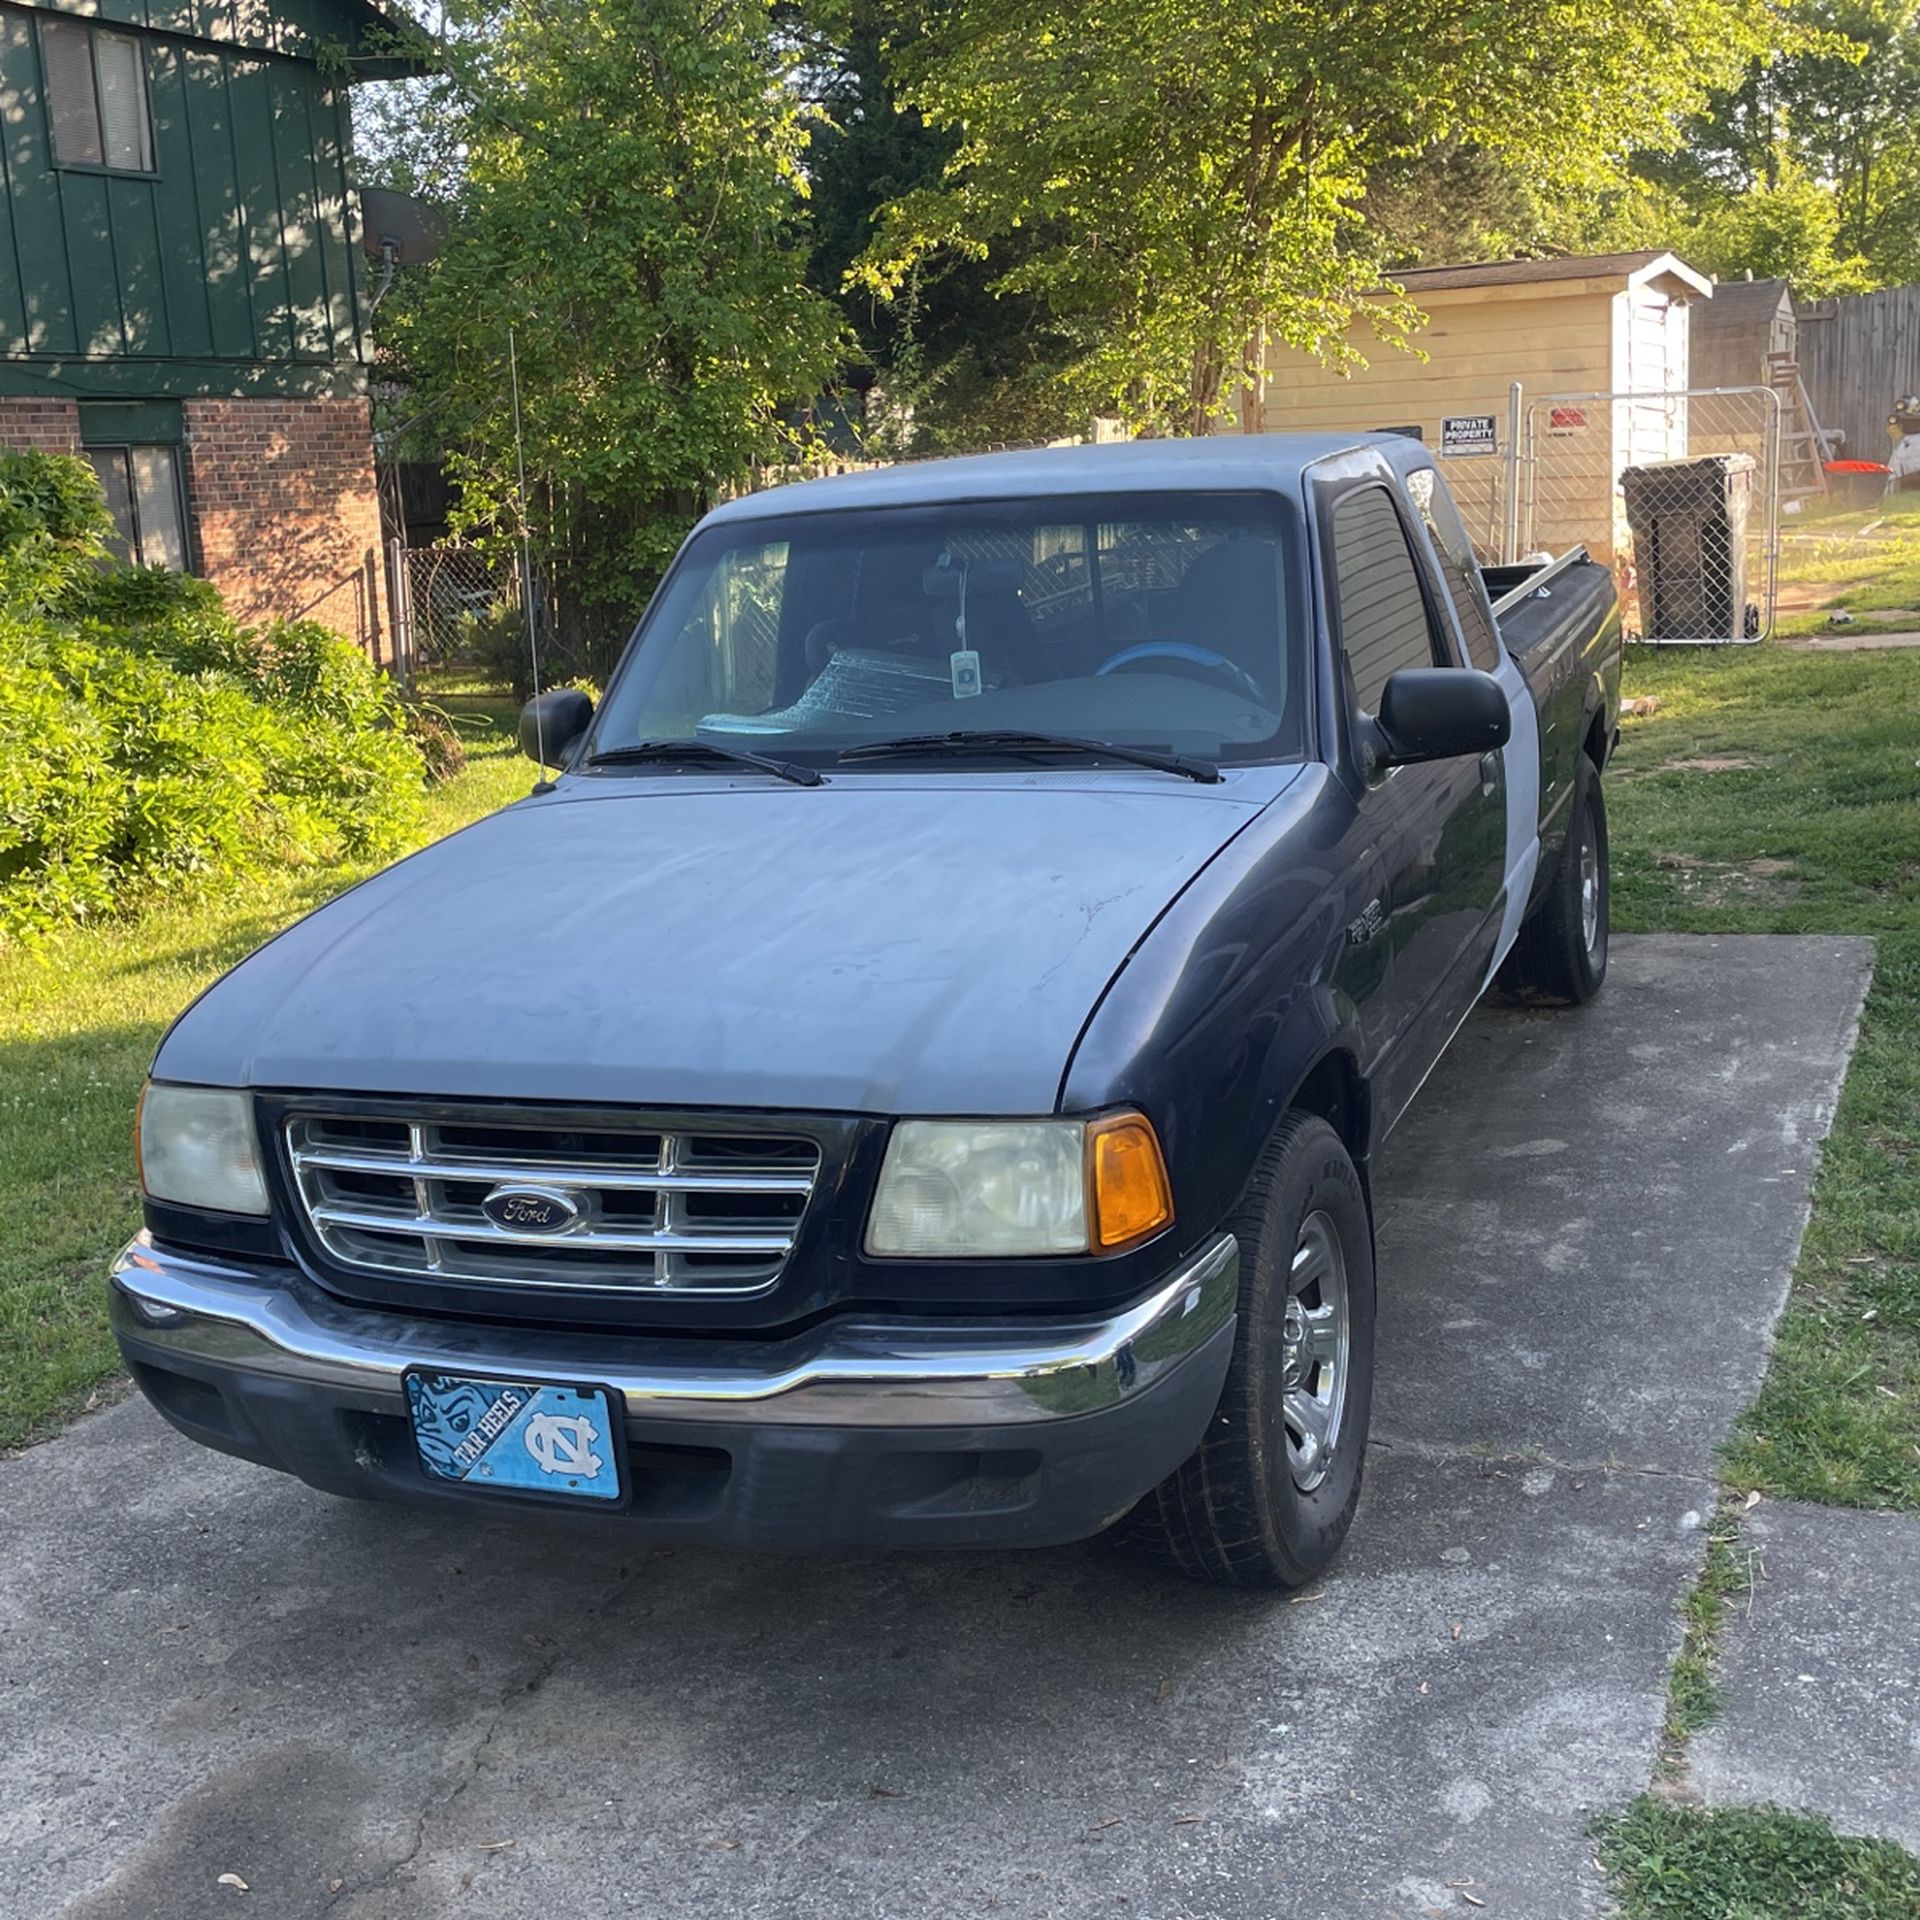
627	194
952	362
1196	169
1848	106
1456	201
867	150
1809	165
1789	230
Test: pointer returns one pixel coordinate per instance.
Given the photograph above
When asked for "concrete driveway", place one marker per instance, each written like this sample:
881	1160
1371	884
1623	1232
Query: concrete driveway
1587	1228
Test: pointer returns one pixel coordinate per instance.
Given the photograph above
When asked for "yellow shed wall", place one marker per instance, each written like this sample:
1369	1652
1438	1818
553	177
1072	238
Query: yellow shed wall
1595	338
1475	347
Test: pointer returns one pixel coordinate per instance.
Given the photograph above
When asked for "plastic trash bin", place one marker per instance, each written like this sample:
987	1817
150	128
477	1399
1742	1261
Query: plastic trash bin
1689	522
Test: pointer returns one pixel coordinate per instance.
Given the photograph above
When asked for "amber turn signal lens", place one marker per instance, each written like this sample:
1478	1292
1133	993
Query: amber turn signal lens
1131	1197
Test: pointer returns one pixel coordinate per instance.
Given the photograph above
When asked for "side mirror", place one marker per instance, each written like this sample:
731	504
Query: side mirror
551	724
1439	713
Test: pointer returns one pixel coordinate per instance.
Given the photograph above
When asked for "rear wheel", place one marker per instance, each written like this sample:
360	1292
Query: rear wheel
1268	1496
1560	953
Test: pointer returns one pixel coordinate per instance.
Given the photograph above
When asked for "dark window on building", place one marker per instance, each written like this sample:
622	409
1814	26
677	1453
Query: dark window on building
96	96
142	485
1383	614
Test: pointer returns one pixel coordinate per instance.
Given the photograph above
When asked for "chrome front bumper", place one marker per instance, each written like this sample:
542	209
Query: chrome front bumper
211	1319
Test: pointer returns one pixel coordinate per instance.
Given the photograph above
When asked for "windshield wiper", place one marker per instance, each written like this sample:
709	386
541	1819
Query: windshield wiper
704	750
1010	740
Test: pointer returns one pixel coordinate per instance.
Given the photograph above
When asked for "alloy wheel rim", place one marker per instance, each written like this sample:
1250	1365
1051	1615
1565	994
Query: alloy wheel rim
1589	892
1316	1347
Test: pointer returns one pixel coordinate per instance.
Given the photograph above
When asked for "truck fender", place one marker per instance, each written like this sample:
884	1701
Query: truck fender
1217	1099
1592	711
1315	1052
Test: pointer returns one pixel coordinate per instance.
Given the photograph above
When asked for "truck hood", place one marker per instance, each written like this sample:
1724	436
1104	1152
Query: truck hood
864	946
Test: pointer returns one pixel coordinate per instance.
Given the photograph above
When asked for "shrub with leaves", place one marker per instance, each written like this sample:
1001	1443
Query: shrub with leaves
146	737
437	734
53	528
626	184
495	644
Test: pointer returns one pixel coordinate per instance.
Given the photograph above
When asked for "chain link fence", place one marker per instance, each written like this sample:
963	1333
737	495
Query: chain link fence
1678	491
455	609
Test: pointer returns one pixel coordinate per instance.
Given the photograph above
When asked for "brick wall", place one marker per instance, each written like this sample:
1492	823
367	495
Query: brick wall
40	426
285	512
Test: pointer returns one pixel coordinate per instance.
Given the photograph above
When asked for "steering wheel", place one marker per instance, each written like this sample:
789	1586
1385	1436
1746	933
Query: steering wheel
1201	663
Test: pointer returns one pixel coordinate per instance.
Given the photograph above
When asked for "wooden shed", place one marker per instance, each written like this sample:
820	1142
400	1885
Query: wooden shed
1597	324
1736	336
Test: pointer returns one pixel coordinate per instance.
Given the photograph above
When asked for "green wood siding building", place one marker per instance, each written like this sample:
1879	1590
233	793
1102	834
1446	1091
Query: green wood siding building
182	291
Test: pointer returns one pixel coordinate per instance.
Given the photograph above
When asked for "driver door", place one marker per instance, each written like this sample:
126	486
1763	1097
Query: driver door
1440	828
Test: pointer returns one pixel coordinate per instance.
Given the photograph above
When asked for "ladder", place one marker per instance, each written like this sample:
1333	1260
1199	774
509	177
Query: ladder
1803	446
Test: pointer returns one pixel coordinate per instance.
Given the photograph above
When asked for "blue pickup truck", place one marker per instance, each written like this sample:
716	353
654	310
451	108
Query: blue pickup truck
912	1076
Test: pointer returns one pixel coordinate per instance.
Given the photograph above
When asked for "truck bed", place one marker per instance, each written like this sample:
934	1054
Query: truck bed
1557	618
1541	605
1560	621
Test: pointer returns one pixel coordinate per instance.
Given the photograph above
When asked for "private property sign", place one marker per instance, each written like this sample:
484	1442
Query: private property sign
1467	433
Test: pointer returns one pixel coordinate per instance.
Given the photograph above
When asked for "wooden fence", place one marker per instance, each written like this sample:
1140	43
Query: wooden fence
1857	356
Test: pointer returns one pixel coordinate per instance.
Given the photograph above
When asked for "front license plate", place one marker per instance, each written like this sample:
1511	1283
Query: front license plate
517	1434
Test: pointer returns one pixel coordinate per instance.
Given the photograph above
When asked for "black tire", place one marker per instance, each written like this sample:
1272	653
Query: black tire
1554	958
1236	1514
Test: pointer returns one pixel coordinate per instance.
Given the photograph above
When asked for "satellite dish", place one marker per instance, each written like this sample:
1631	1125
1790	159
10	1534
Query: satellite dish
397	229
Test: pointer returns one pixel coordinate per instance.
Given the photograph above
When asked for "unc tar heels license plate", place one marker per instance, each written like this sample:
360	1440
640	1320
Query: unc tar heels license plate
511	1433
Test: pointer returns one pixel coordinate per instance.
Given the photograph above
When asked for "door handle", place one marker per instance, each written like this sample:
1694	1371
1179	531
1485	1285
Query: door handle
1489	772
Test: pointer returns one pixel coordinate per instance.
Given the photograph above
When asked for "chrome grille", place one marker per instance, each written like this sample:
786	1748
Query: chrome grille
675	1211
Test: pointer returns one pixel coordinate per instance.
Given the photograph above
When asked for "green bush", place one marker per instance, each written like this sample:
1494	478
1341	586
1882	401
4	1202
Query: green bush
433	730
146	737
494	643
53	528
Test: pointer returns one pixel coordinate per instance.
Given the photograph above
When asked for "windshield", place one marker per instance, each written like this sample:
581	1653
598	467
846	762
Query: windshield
1147	620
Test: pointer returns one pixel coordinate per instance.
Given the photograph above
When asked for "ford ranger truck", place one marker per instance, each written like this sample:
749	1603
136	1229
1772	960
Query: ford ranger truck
911	1077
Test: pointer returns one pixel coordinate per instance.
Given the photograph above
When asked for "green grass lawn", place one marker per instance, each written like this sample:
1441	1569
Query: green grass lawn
82	1015
1863	559
1779	791
1684	1863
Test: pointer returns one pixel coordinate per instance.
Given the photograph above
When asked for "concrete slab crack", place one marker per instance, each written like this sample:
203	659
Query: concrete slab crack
1532	1458
437	1808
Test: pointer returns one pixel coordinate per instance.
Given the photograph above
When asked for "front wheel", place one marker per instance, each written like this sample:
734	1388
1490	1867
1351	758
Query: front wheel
1560	953
1268	1496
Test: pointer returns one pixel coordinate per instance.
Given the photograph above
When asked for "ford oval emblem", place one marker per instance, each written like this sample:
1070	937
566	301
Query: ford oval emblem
533	1209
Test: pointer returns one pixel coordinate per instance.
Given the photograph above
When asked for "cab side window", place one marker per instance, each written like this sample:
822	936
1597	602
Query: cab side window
1383	614
1459	567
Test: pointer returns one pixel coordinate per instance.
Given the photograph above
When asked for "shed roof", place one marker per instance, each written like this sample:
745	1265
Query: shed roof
1635	269
1744	322
1747	303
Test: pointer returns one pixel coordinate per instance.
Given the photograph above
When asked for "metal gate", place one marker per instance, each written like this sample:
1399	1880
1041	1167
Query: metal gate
1692	571
446	600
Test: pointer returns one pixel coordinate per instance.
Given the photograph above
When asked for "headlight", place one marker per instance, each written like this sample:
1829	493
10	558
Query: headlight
995	1189
197	1149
